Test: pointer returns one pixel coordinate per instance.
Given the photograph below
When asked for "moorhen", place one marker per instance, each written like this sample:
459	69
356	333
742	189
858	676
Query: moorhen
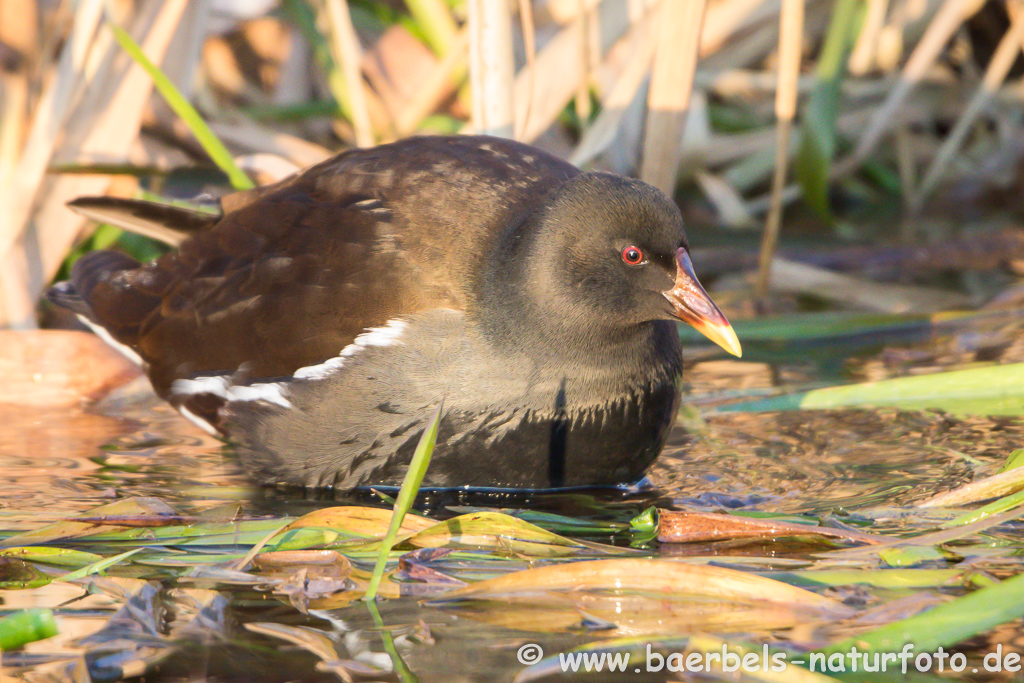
316	323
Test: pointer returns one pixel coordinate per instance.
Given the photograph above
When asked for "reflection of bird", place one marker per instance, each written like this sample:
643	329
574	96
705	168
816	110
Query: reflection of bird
318	320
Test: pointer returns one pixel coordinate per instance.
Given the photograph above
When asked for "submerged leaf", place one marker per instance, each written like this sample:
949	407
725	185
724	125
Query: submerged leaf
71	528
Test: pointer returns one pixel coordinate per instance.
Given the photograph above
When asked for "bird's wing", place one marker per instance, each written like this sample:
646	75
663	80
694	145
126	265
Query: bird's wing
292	273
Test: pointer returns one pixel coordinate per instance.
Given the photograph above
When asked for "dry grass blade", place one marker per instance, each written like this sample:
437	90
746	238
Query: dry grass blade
933	538
995	74
557	73
729	205
255	138
675	62
18	191
349	55
491	67
950	17
790	54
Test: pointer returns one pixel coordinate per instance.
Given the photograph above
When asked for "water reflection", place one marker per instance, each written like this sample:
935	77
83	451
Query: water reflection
846	465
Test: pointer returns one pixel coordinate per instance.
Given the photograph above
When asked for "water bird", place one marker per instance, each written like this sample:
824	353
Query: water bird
316	322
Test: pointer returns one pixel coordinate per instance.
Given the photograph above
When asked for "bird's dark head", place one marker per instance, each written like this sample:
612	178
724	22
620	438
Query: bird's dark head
606	254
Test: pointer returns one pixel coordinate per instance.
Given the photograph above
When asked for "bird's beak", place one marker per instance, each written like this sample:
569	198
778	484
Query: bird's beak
693	306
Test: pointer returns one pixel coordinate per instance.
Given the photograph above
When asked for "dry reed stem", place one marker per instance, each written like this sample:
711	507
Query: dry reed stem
348	54
800	278
552	80
862	57
790	54
491	67
675	61
906	165
530	46
44	134
104	125
434	17
995	74
602	133
949	18
254	138
442	82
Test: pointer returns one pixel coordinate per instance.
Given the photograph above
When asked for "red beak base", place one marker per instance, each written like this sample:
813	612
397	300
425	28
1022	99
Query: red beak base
693	306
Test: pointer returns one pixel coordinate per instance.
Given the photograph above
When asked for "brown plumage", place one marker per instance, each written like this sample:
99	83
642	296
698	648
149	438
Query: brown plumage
505	258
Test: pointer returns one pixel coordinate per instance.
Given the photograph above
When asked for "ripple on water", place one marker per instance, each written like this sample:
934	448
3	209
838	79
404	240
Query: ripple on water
821	461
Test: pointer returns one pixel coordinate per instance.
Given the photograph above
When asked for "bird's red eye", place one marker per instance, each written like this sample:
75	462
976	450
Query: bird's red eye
632	256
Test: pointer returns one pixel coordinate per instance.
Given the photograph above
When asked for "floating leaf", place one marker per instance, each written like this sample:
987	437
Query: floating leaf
99	566
17	574
1013	461
497	531
997	485
61	557
691	527
888	578
361	521
660	577
70	528
991	390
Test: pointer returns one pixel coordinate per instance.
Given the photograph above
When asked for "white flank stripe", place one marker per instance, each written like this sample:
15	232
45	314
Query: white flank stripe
101	332
273	392
374	336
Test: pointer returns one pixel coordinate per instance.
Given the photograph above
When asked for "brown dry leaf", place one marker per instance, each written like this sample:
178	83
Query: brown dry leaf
664	578
692	527
639	596
273	559
398	65
364	521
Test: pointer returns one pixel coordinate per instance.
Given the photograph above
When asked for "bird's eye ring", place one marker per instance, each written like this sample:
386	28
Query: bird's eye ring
632	256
